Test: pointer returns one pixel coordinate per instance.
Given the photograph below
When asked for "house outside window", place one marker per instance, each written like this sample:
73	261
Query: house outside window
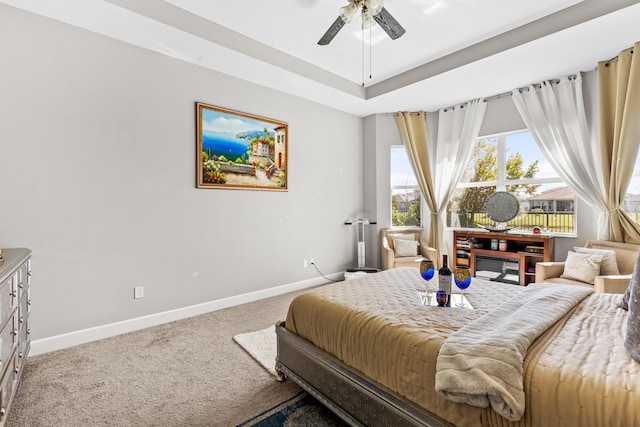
406	200
513	162
560	199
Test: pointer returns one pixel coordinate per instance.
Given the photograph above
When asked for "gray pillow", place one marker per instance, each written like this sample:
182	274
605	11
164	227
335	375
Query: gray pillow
635	278
625	298
632	337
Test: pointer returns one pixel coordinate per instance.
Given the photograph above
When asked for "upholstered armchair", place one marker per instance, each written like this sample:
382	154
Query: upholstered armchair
610	273
404	248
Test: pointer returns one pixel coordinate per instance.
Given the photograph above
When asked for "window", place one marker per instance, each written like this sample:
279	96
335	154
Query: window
405	193
631	203
513	162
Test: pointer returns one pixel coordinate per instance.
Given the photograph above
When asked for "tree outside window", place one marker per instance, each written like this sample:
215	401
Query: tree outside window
406	201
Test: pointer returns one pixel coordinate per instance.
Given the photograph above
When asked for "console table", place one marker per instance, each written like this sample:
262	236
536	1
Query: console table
506	257
15	305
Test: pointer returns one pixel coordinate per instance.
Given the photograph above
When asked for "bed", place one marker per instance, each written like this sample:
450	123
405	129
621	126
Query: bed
368	350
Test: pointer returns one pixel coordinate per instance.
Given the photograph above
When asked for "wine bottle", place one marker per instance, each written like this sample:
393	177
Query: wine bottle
444	279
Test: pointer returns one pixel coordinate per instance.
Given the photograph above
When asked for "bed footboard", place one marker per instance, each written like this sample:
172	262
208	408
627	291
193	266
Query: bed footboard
348	393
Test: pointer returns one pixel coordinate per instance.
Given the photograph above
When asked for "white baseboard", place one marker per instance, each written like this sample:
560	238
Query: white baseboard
70	339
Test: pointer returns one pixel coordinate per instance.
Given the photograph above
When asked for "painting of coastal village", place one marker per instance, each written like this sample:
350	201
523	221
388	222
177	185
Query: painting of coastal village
240	151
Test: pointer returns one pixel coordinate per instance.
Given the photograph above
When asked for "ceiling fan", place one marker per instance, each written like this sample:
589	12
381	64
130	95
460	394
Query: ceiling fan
370	9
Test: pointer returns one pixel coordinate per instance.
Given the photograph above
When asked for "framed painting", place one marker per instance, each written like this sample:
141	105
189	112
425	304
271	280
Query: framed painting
239	151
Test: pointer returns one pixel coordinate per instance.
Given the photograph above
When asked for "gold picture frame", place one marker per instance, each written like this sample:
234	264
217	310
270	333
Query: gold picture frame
240	151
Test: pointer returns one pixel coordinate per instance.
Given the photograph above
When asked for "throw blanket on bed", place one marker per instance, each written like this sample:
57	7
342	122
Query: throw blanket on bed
482	363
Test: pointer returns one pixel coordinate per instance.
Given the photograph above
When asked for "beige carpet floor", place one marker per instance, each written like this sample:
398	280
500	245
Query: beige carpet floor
184	373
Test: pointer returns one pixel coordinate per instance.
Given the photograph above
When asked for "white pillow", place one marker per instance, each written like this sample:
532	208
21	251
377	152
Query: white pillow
406	248
582	267
609	266
398	236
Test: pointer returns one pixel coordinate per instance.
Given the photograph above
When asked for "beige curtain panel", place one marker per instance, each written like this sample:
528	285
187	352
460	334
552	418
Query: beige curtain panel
413	131
619	86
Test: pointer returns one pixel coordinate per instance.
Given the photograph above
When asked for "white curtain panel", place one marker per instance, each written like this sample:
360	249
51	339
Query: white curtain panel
454	131
556	117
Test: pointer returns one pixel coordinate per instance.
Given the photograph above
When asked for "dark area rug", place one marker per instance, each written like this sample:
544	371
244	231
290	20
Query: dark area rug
300	410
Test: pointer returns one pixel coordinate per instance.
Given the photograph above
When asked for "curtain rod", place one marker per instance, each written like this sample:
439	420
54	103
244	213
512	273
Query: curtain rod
500	95
615	58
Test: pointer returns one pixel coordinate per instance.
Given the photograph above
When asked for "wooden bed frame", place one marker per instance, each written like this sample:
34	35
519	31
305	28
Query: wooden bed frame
345	391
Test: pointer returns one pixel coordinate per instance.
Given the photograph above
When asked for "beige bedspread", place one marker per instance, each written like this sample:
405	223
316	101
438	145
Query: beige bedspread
576	373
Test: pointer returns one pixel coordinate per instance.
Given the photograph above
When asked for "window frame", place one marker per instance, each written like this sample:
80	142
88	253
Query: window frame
415	188
501	183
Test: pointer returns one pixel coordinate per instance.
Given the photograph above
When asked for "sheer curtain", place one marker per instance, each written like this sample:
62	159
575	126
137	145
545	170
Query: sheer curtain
619	84
556	117
439	154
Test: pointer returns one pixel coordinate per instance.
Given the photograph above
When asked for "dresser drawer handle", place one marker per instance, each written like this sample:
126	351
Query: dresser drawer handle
20	285
16	370
21	320
13	294
2	412
14	332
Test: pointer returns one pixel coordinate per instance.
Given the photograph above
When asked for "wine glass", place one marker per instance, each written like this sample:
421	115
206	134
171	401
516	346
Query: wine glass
441	298
462	279
427	270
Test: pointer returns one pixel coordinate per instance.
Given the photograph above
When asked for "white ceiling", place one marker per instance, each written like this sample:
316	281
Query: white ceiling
453	50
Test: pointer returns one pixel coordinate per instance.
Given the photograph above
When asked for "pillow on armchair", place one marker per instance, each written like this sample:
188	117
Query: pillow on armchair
609	265
582	267
406	247
399	236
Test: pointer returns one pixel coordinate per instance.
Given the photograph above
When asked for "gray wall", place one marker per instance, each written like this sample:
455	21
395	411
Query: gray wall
97	173
501	116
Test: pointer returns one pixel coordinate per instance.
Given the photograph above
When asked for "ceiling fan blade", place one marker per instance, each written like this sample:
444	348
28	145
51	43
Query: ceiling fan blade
389	24
332	31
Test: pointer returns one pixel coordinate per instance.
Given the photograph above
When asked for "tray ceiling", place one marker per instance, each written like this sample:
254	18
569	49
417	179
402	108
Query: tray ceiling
453	50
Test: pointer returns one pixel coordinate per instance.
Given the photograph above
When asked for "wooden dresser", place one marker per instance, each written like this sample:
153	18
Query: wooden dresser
15	281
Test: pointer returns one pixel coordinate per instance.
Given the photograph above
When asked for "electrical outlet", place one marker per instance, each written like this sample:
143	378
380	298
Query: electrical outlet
138	292
311	261
305	263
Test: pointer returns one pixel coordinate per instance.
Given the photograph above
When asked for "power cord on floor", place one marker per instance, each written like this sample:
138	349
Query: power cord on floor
318	270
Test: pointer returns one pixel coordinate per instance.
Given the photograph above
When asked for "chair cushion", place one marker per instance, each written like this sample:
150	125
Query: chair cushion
406	248
609	266
582	267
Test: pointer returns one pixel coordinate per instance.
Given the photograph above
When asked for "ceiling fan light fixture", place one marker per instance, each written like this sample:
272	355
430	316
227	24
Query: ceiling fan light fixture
347	12
372	10
374	6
